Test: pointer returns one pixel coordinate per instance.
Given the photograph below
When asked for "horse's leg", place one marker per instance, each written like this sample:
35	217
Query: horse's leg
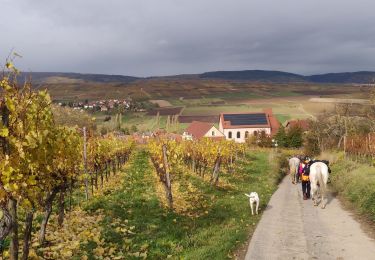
291	172
323	185
297	174
323	195
323	200
313	193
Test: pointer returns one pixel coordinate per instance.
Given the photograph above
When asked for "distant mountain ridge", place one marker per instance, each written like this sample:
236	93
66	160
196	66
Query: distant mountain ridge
363	77
41	77
360	77
254	75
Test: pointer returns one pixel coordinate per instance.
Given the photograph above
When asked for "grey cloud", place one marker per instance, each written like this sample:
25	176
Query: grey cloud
164	37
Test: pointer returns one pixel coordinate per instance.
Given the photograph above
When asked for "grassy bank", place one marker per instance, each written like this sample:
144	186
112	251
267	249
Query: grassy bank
207	223
355	182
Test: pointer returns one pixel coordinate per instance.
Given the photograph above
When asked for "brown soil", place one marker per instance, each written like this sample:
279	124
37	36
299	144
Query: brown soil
165	111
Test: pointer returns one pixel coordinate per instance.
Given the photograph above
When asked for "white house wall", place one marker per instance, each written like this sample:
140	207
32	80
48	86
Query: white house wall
242	133
221	126
213	132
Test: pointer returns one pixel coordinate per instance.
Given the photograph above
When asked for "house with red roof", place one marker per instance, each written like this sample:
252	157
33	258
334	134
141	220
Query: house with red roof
239	126
197	130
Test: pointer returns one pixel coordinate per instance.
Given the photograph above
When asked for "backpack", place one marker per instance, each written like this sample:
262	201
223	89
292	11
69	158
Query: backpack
305	172
305	177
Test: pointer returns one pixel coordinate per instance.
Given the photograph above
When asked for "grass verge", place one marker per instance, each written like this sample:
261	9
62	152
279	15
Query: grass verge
355	182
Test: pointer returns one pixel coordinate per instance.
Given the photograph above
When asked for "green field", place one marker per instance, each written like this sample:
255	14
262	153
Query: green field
216	110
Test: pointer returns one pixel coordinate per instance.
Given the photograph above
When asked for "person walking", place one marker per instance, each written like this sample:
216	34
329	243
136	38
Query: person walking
305	179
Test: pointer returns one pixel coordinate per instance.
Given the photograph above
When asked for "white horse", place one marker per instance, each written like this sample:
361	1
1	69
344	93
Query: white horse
293	168
318	180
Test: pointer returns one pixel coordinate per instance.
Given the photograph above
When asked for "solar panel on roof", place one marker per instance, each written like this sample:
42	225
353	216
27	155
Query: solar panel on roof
246	119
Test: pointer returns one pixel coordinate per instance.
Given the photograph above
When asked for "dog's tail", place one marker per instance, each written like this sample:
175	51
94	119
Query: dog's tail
248	195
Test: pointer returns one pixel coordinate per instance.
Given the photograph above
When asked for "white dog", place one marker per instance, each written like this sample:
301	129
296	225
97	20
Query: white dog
253	199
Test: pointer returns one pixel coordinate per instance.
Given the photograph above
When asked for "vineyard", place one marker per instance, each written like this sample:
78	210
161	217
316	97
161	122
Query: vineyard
41	160
71	193
202	157
361	145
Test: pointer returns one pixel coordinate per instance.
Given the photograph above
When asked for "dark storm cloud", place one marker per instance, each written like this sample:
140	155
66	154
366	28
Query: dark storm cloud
148	37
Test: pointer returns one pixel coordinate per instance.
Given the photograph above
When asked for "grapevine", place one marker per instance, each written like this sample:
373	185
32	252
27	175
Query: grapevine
41	159
201	156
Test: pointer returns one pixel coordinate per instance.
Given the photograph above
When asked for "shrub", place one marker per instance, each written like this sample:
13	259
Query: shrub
125	130
103	130
311	145
281	137
134	129
264	140
294	137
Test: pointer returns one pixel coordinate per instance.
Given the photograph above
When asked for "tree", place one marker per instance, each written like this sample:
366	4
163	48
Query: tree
281	137
311	144
294	137
264	140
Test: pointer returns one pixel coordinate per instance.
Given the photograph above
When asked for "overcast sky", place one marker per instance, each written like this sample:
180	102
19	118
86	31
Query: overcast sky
165	37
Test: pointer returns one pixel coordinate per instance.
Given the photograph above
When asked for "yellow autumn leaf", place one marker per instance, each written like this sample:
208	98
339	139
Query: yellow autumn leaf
33	255
9	65
111	251
99	251
4	132
67	253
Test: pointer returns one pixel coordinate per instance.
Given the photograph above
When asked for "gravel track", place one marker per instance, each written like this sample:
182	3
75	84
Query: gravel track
292	228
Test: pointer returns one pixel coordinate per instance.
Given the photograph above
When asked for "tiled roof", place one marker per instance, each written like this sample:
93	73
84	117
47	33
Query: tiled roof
275	124
198	129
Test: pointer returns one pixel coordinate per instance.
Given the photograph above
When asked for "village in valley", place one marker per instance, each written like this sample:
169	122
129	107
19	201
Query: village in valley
103	105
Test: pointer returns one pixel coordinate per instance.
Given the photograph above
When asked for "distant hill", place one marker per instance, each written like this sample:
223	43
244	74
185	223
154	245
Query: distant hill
286	77
346	77
60	77
245	75
254	75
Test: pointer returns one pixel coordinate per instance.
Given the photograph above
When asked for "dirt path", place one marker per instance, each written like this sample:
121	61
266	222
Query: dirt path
292	228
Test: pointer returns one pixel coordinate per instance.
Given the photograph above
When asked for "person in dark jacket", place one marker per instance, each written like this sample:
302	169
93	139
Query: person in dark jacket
305	178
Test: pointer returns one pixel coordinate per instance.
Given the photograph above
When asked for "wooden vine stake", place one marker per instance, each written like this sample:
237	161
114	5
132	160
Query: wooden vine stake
216	170
85	163
165	178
